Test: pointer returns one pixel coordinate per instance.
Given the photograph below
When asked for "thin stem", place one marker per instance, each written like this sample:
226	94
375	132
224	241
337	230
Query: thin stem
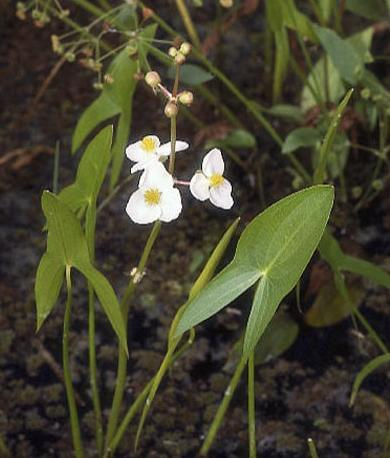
74	419
251	407
312	448
189	25
215	425
371	332
171	167
56	166
122	358
99	434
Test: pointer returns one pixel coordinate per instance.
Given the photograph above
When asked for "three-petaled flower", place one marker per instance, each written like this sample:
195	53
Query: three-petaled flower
209	183
156	197
147	151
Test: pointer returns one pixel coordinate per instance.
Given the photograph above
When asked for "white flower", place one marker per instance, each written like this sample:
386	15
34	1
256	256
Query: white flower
148	151
210	183
156	198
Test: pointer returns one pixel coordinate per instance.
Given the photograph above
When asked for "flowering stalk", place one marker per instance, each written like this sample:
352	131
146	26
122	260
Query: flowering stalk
122	358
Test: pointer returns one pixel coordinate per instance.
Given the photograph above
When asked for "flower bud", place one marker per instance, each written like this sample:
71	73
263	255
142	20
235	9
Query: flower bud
108	78
226	3
185	48
36	14
152	79
70	57
172	51
186	98
180	58
98	86
377	185
170	110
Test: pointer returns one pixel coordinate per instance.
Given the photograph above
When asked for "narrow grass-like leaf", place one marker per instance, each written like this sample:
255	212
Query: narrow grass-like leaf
48	282
329	139
365	372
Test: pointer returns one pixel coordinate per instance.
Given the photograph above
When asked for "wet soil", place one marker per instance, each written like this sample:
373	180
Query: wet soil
304	393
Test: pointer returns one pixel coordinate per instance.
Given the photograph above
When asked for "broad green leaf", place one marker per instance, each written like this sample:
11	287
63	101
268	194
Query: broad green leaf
330	306
365	372
48	282
66	243
298	21
274	248
370	9
327	144
302	137
90	173
342	53
191	75
361	42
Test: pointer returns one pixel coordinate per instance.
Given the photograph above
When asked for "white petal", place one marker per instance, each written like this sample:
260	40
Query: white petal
139	211
199	186
165	149
170	205
213	163
144	164
221	195
135	152
156	176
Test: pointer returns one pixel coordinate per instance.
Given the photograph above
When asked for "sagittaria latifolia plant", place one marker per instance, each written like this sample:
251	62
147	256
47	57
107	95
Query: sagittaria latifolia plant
271	255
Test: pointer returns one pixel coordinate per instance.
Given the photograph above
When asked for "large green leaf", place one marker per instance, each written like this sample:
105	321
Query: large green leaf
191	75
116	98
66	246
302	137
370	9
274	248
90	173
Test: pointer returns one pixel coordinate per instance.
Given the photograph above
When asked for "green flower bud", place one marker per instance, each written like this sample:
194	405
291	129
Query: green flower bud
180	58
186	98
185	48
172	51
170	110
152	79
70	57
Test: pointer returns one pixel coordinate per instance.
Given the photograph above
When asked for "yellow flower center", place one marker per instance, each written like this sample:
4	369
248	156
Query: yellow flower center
148	144
216	180
152	196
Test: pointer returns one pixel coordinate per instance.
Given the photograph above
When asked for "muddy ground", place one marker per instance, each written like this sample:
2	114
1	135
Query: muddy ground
304	393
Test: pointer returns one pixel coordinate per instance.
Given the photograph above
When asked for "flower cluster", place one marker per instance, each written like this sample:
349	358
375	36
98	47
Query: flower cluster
157	198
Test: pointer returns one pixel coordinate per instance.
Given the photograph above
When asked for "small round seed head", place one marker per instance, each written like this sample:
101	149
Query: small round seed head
186	98
170	110
152	79
108	78
172	51
70	57
98	86
185	48
180	58
36	14
226	3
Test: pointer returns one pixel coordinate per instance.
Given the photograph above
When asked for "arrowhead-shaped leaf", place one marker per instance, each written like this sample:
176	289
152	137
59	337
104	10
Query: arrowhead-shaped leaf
275	248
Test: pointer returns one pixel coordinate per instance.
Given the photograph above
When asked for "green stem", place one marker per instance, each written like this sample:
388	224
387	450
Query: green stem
90	226
122	358
251	407
140	400
215	425
189	25
312	448
371	332
74	419
99	434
